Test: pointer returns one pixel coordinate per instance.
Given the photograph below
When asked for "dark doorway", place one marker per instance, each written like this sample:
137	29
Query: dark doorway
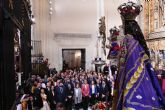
73	58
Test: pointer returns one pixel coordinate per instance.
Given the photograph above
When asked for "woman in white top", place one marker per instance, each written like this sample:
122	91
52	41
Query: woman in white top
77	96
44	100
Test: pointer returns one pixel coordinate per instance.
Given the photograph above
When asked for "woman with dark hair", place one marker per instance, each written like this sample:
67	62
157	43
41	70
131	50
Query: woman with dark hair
44	100
136	85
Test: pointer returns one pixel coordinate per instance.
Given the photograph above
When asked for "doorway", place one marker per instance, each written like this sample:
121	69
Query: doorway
73	59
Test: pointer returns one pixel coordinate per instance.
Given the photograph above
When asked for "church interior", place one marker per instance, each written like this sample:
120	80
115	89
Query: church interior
66	54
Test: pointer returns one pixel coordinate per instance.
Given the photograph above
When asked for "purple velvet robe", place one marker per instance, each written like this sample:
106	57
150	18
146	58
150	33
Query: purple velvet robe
136	85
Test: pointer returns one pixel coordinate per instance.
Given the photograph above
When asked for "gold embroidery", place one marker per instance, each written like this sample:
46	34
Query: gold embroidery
130	53
127	74
136	75
130	97
129	86
135	61
135	64
126	92
133	80
131	109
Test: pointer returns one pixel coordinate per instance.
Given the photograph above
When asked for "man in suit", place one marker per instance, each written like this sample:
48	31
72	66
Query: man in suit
85	94
50	96
104	91
60	93
93	93
70	91
98	87
106	69
37	103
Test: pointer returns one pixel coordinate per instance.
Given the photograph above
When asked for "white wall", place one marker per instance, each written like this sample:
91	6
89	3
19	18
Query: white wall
75	16
71	16
111	13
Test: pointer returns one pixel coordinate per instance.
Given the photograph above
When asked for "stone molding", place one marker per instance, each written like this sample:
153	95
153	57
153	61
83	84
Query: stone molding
156	35
71	35
72	39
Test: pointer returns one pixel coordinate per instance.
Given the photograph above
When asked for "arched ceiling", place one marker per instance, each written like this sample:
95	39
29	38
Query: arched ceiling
73	16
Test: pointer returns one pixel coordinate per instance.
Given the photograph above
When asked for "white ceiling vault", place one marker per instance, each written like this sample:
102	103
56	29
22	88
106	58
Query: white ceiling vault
74	16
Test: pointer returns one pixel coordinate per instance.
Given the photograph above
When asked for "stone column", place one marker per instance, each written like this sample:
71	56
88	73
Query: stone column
7	75
100	13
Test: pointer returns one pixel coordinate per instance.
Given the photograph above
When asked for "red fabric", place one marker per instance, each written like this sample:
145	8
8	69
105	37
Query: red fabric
116	33
85	90
163	85
101	106
117	47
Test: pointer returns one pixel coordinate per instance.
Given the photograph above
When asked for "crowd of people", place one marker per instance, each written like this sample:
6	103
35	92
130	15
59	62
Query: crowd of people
65	90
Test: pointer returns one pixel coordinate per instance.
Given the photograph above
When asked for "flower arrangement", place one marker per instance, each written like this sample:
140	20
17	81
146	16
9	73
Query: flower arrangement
113	46
99	106
114	32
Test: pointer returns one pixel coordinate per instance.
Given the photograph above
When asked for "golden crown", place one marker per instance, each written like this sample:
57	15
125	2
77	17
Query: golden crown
129	10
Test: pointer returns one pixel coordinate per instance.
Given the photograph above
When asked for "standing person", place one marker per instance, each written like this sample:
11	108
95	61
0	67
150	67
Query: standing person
104	91
44	100
85	94
98	87
77	96
60	93
50	95
136	85
24	100
113	70
37	103
69	89
106	69
93	93
110	84
53	103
